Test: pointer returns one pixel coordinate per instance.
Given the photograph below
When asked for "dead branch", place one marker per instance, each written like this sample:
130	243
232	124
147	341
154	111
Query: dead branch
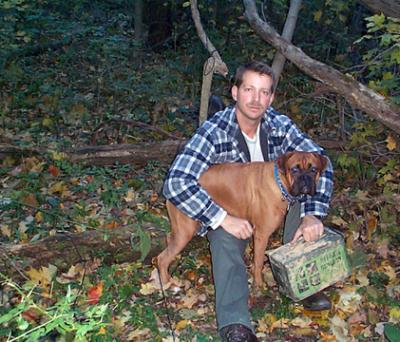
357	94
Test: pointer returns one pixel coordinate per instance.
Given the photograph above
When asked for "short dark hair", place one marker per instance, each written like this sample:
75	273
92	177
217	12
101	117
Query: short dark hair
255	66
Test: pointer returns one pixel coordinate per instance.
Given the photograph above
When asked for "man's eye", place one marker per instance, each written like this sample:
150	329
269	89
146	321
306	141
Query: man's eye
266	93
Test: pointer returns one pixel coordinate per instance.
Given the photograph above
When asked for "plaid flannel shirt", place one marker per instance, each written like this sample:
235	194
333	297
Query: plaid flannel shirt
216	142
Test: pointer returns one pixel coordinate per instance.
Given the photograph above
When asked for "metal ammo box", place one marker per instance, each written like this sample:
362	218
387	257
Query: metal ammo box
305	268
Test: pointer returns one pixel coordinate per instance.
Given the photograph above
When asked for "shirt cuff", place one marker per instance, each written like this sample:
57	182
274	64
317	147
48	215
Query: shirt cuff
218	220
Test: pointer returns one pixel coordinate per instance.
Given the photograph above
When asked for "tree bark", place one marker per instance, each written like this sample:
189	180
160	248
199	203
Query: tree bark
358	95
214	64
138	155
287	33
67	249
389	8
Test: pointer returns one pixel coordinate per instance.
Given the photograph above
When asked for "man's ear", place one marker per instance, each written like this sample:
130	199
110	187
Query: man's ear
234	92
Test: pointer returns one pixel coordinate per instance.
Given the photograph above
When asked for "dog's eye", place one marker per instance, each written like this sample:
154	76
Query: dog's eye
313	169
294	169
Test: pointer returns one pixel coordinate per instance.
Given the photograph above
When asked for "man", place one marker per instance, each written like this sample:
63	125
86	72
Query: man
250	131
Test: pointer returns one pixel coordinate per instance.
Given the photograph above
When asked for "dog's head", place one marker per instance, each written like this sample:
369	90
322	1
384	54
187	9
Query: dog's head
302	171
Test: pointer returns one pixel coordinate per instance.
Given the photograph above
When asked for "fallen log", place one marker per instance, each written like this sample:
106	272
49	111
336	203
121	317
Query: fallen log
67	249
135	154
138	154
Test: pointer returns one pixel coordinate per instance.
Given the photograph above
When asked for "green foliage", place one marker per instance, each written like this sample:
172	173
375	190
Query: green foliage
392	332
63	317
383	55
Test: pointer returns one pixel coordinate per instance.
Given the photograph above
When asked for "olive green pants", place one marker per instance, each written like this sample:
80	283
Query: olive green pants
230	275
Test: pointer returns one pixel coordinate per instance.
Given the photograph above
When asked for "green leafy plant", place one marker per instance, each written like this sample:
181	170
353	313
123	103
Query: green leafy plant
32	320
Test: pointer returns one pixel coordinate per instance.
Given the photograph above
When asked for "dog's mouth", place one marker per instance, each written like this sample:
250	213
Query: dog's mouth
303	185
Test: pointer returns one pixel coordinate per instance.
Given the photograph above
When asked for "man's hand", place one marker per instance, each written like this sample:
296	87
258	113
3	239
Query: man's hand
310	228
239	228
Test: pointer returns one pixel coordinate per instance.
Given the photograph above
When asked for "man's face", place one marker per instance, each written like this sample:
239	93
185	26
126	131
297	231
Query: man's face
253	96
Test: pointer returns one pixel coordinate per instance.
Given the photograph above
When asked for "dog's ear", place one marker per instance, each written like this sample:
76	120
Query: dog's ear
282	160
323	162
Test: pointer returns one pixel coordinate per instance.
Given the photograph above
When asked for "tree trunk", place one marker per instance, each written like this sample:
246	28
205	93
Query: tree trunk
355	93
389	8
67	249
138	21
287	33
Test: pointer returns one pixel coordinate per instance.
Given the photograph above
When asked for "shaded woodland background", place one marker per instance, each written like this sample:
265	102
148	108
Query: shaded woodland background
95	99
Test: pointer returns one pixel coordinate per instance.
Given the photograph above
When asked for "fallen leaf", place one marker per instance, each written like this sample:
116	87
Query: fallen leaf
139	335
43	276
182	324
75	272
31	315
307	331
112	225
340	329
279	324
54	170
357	317
301	322
30	200
39	217
391	143
94	293
102	331
371	226
394	315
5	230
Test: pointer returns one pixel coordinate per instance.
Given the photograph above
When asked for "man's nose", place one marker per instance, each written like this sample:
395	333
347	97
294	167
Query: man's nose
256	96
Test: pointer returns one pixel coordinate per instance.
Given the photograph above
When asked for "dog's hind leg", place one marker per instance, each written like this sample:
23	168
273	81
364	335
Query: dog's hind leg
183	229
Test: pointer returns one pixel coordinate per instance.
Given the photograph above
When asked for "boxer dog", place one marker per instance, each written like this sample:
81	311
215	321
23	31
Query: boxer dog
259	192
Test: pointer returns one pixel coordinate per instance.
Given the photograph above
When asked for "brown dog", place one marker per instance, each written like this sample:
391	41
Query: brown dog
258	192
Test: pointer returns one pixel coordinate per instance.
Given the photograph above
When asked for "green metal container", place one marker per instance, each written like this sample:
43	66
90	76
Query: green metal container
304	268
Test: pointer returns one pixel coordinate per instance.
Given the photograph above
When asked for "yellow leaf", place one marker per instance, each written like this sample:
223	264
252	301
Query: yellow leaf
394	315
59	187
317	15
39	217
5	230
58	155
102	331
391	143
47	122
42	277
181	324
130	196
387	75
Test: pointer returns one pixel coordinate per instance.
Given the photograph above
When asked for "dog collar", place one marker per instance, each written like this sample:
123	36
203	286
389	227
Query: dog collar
285	194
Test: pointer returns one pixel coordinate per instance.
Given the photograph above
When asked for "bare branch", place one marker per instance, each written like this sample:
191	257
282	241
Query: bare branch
357	94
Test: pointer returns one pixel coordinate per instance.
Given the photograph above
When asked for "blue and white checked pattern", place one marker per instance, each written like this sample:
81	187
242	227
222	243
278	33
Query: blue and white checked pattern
215	143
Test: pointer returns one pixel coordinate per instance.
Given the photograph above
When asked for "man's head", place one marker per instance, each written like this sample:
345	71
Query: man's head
258	67
253	92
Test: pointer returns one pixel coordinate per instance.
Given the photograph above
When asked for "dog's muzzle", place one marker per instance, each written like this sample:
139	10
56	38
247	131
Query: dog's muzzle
303	185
